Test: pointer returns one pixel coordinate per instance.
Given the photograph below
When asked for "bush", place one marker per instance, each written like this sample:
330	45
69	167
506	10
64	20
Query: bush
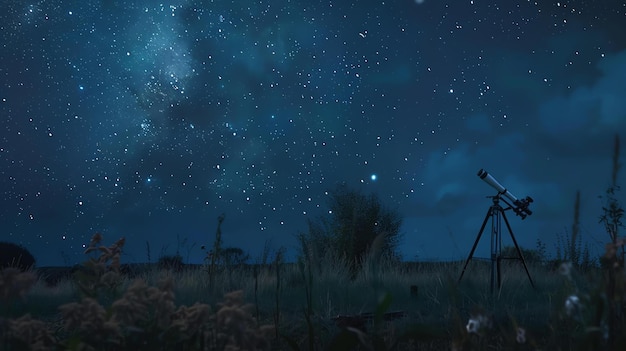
353	223
13	255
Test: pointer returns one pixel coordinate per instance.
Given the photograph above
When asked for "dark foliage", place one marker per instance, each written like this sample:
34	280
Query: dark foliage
13	255
173	262
357	219
52	276
234	256
353	223
531	256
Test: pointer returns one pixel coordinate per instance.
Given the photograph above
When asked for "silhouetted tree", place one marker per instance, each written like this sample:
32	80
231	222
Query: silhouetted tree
13	255
353	222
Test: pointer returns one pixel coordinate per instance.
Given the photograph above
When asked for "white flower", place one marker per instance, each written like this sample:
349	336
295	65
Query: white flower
565	269
521	335
572	304
476	324
472	326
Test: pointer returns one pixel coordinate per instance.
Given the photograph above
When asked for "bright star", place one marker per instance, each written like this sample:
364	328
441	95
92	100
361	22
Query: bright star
374	177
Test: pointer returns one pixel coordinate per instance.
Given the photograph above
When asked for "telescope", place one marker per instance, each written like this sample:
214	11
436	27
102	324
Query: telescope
496	213
520	207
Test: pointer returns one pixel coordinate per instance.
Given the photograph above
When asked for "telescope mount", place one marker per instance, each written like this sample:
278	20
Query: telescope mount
496	213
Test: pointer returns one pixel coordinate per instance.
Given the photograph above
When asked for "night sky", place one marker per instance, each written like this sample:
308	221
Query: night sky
149	119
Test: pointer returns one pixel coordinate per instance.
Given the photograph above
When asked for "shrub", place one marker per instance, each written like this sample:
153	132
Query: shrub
351	227
13	255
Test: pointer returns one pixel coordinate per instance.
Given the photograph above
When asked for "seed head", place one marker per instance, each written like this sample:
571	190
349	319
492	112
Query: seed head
565	269
521	335
572	304
477	324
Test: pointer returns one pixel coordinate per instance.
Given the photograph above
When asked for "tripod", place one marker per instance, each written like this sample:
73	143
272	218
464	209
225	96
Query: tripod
496	212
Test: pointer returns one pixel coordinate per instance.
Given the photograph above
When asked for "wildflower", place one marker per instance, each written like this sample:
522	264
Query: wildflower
110	279
15	283
189	320
118	245
106	251
565	269
90	320
236	326
115	262
611	251
95	240
572	304
31	332
477	324
521	335
472	326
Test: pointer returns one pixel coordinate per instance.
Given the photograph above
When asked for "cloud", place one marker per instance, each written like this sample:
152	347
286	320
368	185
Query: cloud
612	90
450	179
588	112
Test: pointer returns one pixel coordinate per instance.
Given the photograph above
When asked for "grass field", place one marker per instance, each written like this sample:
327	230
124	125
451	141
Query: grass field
299	307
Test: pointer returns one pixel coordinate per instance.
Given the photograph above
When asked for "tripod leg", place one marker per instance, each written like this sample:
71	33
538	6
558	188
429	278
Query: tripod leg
499	273
480	233
496	246
519	252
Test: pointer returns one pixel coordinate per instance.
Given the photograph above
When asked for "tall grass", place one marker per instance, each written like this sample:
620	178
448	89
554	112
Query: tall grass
308	301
